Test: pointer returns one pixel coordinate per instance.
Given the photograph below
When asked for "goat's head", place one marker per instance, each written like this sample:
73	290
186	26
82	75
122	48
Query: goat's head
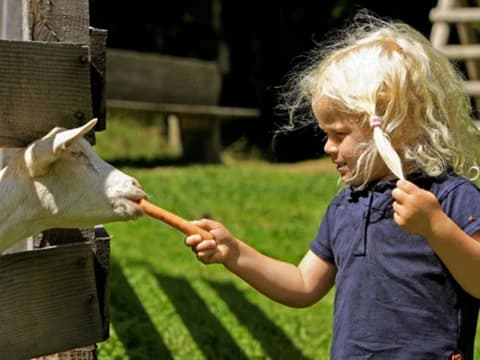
73	186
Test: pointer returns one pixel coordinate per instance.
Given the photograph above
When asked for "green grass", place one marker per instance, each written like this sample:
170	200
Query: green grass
166	304
129	137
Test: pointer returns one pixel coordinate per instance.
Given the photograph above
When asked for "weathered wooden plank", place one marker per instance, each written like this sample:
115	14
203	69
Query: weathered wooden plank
472	87
101	249
49	301
455	15
64	21
42	85
99	241
160	78
461	52
206	111
98	42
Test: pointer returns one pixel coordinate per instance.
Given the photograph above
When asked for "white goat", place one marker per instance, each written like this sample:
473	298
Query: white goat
59	182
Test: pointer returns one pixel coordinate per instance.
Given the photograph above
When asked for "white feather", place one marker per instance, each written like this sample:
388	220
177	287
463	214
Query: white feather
388	153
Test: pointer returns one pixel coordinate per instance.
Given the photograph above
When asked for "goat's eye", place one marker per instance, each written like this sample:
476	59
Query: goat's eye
77	153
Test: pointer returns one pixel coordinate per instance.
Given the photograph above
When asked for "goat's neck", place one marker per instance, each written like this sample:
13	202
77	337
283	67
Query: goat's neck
17	214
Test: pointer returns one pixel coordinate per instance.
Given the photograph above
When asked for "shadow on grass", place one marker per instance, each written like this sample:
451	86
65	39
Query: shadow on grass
273	340
211	337
141	339
131	322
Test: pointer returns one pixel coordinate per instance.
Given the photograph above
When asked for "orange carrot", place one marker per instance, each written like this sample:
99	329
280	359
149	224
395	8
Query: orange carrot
173	220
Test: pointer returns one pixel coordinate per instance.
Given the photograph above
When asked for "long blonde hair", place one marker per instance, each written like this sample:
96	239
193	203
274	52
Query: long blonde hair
390	70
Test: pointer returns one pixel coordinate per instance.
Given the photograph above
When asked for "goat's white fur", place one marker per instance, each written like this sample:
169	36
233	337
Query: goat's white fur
59	182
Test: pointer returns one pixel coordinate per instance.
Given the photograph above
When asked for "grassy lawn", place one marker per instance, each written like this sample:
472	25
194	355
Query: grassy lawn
167	305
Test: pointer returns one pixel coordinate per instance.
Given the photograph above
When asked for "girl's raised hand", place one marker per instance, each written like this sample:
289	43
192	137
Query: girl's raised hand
217	250
415	210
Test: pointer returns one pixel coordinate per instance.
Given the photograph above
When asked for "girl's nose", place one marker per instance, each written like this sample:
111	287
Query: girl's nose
330	147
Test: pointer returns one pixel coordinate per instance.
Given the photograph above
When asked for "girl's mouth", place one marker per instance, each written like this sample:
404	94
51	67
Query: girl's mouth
341	167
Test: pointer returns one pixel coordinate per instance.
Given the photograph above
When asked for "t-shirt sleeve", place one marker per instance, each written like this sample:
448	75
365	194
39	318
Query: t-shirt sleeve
462	205
321	244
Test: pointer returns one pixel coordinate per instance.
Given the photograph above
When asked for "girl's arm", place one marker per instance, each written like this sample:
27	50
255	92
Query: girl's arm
296	286
419	211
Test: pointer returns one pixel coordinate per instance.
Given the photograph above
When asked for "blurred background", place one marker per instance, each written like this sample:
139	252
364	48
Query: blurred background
254	43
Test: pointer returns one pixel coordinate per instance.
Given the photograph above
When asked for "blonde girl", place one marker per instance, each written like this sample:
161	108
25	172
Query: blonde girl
404	255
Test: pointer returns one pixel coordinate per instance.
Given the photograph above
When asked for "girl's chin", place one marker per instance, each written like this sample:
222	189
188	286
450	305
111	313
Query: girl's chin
356	183
347	179
345	175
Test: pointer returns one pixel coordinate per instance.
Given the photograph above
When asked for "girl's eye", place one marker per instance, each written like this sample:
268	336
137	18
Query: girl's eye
340	134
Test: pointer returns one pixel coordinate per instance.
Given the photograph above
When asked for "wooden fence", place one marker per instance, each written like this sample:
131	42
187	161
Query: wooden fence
184	92
54	297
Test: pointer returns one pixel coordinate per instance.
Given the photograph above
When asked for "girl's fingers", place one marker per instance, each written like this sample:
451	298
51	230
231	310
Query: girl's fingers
406	186
403	190
193	240
399	195
398	210
205	256
395	206
206	245
398	219
402	184
208	224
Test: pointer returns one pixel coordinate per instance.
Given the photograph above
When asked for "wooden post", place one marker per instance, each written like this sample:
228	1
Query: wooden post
14	19
441	30
68	21
174	135
14	26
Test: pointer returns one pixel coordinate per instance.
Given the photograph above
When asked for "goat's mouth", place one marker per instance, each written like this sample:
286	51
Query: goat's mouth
137	198
128	207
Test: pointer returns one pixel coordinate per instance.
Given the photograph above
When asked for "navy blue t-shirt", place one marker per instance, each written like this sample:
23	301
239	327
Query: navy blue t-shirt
394	297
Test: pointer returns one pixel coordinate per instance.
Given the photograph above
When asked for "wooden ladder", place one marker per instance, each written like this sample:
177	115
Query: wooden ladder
456	13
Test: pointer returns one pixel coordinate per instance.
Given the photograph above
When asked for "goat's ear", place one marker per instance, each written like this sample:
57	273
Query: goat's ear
65	138
43	153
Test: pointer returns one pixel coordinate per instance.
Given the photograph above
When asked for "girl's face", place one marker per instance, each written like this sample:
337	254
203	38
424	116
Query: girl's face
345	144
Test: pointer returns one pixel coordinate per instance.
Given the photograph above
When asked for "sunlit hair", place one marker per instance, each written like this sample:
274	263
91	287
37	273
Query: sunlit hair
390	70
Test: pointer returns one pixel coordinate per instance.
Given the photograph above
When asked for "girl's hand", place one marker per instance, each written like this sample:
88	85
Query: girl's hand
220	249
416	210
